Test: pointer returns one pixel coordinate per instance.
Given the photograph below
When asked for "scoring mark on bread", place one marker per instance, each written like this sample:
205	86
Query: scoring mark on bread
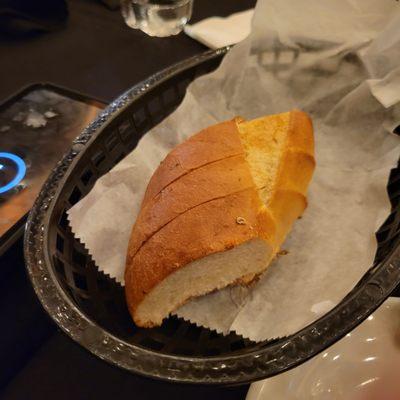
244	222
189	170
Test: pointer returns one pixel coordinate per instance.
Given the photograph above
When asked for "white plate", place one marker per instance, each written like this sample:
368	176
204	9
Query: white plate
350	368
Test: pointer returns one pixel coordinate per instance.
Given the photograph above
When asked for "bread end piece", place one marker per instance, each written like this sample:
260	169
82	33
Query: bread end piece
202	276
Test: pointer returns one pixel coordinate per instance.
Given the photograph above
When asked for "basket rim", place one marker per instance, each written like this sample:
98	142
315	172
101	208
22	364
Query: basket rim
257	363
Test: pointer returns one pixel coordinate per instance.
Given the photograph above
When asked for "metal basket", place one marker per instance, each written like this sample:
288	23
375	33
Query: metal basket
90	307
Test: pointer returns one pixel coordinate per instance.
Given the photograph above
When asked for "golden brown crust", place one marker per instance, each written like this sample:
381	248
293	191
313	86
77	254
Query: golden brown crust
212	181
209	145
297	162
202	200
295	170
300	133
209	228
286	206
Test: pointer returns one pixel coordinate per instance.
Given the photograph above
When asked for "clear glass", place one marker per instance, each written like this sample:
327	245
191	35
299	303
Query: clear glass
157	17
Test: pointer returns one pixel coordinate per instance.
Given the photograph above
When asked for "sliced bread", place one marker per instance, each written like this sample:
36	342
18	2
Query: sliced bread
217	210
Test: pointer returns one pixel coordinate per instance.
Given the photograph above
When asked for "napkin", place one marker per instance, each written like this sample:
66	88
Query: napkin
216	32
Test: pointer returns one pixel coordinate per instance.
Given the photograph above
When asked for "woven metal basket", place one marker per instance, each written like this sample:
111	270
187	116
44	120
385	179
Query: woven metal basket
90	307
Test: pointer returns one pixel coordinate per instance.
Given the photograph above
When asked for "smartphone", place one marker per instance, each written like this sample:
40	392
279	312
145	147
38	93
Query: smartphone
37	126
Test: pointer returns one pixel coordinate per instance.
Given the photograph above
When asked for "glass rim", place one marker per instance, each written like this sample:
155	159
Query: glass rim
155	3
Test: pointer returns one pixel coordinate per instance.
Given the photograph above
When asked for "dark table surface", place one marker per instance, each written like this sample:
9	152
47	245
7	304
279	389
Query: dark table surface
96	54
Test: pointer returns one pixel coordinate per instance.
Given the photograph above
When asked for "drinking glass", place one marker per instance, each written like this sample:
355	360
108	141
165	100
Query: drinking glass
157	17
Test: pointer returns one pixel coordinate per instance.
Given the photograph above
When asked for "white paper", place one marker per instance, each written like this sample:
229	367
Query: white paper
216	32
339	62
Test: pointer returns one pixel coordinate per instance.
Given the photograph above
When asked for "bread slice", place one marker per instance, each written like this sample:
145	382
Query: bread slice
217	210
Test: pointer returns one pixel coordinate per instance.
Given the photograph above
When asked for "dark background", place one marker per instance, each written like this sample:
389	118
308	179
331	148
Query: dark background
95	54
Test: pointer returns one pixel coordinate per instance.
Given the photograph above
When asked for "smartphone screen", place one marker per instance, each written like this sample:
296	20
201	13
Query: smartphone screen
36	129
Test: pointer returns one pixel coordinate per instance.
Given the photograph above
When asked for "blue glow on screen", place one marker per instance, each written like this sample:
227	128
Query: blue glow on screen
21	171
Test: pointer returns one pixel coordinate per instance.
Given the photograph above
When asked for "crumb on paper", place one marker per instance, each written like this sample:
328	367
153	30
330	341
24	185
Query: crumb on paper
4	128
35	119
283	252
240	221
50	114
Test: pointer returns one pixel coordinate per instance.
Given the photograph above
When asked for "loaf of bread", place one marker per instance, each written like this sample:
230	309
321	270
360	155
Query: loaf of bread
217	210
